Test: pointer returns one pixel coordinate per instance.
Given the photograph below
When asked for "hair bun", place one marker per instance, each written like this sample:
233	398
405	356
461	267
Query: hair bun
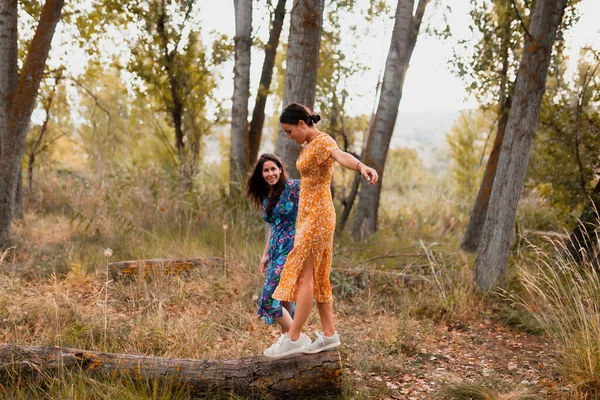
316	118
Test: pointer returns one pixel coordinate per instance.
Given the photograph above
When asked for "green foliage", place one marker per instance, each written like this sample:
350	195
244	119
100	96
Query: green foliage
565	161
470	140
404	170
174	71
498	37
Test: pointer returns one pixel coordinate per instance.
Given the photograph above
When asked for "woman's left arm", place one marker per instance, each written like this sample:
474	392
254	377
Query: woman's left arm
347	160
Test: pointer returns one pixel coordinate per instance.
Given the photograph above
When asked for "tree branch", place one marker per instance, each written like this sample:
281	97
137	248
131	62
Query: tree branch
520	19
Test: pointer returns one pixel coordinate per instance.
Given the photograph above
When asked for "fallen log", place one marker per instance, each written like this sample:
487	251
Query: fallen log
127	269
293	376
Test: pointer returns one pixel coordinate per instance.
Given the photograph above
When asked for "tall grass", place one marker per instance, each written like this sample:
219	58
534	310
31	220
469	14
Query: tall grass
564	298
210	314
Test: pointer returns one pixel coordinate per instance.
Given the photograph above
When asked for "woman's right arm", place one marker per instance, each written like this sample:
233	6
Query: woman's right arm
264	260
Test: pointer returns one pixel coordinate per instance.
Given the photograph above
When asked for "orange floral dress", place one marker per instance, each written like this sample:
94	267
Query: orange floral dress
315	224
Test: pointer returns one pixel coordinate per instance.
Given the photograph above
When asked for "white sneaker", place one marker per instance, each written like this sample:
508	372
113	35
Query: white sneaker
323	342
285	346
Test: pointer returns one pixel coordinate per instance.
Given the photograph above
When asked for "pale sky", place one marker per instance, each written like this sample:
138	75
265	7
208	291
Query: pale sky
429	86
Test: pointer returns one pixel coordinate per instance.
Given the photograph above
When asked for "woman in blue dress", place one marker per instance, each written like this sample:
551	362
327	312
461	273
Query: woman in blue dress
270	189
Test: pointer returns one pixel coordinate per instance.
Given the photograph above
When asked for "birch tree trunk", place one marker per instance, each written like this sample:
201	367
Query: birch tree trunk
258	115
23	99
498	233
404	39
302	64
241	93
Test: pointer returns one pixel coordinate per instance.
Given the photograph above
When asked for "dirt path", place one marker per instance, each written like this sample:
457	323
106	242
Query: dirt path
488	354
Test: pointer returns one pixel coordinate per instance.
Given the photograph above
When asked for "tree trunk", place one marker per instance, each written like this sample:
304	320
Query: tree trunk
9	75
477	218
128	269
175	107
38	142
295	376
241	93
498	233
302	64
23	102
404	39
470	240
19	208
30	164
348	203
258	115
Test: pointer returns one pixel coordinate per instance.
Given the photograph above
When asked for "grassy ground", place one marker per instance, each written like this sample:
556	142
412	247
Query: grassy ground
430	337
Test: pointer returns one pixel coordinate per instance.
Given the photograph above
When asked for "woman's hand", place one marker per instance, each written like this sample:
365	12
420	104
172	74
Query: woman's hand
369	173
263	265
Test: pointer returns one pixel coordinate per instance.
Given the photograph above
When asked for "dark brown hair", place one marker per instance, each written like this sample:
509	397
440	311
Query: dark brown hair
257	188
293	113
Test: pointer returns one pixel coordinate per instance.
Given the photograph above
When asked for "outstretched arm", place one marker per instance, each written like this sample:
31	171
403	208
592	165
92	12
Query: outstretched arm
347	160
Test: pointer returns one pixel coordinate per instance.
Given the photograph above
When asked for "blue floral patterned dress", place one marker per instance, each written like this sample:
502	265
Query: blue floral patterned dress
283	228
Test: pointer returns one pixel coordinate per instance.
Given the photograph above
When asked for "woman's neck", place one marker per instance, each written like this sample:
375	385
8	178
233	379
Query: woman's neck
312	134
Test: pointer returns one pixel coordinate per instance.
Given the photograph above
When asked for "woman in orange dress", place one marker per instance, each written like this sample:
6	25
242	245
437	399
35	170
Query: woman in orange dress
306	271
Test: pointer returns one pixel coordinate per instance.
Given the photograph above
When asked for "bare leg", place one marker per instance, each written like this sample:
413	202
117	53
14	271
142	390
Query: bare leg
285	321
288	306
304	300
326	314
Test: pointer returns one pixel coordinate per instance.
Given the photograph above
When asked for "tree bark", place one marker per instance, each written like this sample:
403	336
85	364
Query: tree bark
241	93
258	115
23	101
19	208
44	128
476	222
302	64
477	218
294	376
404	39
9	74
498	233
128	269
175	106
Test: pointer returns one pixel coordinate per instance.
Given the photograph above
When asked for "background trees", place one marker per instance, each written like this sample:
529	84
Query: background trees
498	234
170	60
302	64
404	39
241	92
19	88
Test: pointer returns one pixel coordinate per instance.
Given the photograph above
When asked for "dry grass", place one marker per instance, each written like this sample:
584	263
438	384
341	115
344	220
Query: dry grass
56	292
564	298
475	391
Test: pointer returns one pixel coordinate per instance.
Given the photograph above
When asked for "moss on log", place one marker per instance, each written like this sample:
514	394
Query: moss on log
294	376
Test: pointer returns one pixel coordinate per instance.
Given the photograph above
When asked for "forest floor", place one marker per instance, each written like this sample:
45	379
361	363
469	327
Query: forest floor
484	354
399	341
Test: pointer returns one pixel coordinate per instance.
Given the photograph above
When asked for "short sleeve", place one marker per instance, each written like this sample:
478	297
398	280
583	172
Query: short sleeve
324	147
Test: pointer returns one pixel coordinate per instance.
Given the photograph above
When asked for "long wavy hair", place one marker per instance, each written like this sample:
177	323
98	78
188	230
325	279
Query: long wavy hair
257	188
